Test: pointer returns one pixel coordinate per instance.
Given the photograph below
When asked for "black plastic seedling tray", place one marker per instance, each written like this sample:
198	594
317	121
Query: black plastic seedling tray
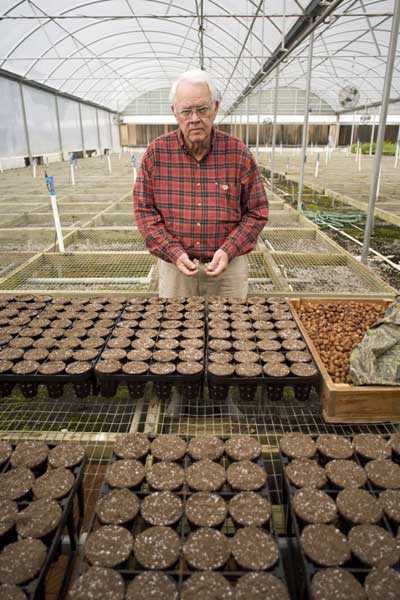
69	524
295	524
181	571
84	384
31	301
191	384
45	300
247	386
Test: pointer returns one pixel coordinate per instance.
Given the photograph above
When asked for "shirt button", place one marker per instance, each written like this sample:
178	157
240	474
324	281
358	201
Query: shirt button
198	185
199	204
197	243
198	224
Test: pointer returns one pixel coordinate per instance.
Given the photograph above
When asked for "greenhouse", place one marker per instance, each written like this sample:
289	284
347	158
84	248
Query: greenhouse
199	299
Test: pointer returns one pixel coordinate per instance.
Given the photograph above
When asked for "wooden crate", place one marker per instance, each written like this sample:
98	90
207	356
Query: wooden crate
344	403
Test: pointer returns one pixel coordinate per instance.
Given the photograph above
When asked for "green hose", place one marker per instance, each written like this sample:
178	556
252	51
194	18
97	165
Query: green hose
337	219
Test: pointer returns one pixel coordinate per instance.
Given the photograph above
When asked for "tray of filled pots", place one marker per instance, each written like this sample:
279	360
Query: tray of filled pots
16	315
158	340
60	346
254	343
41	511
179	517
343	509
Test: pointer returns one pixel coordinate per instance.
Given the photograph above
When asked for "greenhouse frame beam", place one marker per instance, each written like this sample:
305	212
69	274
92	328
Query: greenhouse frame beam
381	132
305	123
297	34
243	47
200	20
188	15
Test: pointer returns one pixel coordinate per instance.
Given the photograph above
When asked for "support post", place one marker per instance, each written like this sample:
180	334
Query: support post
28	144
247	121
273	142
59	127
110	125
72	169
258	127
316	166
357	149
352	132
397	148
82	133
337	133
381	130
98	132
371	141
305	123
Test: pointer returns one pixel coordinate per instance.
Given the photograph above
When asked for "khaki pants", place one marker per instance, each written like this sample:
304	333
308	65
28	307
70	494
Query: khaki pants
232	283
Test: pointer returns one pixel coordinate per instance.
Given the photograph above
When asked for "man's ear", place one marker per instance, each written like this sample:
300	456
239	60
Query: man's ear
216	104
173	110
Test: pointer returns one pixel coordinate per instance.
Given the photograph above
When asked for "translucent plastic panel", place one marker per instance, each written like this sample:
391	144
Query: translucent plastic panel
41	117
70	124
12	132
104	127
89	127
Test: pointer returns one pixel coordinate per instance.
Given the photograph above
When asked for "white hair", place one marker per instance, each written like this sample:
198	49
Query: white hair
194	76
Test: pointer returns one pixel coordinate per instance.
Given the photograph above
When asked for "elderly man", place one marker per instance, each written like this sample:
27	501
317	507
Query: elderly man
199	199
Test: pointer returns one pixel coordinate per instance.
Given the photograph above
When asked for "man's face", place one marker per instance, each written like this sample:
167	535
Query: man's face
194	111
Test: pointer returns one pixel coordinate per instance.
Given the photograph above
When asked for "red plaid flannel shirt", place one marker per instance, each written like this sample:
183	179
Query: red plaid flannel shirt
182	205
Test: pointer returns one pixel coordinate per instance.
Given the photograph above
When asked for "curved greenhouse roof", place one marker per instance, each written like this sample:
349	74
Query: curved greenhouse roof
111	52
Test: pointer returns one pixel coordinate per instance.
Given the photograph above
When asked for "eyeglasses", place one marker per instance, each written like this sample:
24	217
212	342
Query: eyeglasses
202	111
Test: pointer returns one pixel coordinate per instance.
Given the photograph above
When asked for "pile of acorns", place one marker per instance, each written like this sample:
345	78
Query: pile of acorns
336	329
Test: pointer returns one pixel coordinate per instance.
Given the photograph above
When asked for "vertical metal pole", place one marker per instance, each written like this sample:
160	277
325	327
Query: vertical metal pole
28	143
337	133
98	132
273	143
371	141
397	148
247	121
305	124
59	127
258	127
381	130
352	131
82	133
110	125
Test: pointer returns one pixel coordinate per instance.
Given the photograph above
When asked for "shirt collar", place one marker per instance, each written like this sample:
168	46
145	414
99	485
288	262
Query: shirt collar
181	140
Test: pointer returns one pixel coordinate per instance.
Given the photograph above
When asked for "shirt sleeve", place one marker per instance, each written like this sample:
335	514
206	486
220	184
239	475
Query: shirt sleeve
158	240
254	203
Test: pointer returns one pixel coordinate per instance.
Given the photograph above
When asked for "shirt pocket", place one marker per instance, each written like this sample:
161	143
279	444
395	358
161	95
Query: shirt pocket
228	200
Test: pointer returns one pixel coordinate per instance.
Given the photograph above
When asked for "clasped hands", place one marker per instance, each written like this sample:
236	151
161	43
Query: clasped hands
214	268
